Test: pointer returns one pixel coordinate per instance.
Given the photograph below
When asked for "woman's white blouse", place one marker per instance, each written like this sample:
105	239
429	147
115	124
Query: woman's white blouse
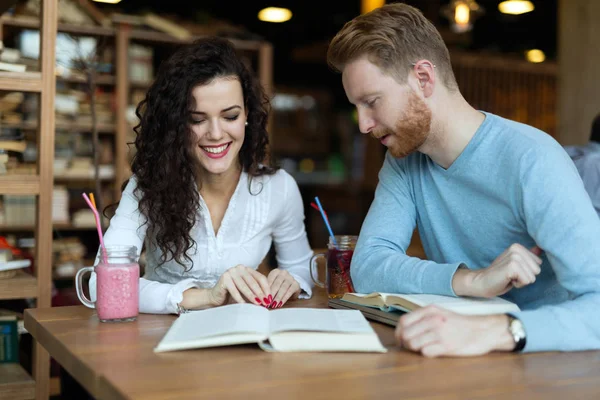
270	210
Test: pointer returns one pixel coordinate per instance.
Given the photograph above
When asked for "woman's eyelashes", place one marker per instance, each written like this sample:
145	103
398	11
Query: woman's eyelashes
230	118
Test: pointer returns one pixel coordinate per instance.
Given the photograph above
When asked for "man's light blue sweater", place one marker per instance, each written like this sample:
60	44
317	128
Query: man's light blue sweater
511	184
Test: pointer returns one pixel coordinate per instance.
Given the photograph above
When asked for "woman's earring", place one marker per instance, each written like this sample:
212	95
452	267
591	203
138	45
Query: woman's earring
246	123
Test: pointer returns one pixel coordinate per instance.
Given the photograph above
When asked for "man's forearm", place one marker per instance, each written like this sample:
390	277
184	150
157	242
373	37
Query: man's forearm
461	281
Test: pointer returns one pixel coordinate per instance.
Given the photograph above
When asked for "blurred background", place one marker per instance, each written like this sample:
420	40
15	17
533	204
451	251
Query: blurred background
531	61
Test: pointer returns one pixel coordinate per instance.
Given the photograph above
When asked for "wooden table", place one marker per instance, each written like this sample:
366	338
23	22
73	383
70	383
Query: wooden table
116	361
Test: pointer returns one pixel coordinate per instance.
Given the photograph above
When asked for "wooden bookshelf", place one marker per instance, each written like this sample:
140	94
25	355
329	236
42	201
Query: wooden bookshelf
14	382
44	82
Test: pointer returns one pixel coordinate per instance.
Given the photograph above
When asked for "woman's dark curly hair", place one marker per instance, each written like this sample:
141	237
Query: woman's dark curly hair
164	164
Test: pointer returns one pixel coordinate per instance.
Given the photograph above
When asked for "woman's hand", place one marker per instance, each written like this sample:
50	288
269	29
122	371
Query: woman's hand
283	287
244	285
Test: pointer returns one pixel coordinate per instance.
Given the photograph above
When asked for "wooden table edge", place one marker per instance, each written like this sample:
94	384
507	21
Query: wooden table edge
82	372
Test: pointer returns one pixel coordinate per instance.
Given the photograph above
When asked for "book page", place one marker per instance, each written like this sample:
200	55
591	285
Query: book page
463	305
219	321
323	320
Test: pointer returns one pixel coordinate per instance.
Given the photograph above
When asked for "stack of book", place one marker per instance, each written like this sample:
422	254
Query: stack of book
18	210
67	254
60	205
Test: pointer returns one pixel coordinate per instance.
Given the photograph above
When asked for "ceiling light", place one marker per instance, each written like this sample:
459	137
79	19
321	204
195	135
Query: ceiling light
274	14
369	5
515	7
535	56
108	1
461	14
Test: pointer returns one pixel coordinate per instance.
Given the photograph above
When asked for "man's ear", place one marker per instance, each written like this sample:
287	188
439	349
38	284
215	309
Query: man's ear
426	76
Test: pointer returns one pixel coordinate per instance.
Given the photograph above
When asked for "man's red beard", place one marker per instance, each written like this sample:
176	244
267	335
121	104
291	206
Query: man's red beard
411	129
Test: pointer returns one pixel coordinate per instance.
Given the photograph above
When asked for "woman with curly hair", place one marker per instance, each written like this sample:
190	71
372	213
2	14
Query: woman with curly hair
202	198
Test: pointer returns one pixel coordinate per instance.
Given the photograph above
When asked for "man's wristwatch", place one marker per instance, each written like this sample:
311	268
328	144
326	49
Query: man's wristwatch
517	331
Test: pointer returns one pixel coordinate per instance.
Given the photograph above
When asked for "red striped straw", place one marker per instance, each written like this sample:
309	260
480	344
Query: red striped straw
98	227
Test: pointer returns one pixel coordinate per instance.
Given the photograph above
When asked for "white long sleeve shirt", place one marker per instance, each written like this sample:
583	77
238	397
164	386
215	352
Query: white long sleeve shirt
269	211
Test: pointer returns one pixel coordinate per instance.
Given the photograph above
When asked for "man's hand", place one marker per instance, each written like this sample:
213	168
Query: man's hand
515	267
435	332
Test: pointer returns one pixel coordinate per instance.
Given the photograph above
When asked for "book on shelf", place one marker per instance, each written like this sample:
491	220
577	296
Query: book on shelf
11	56
19	210
9	339
14	264
284	330
13	145
11	315
4	66
411	302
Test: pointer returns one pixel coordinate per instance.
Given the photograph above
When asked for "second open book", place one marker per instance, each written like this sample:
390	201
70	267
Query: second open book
411	302
288	329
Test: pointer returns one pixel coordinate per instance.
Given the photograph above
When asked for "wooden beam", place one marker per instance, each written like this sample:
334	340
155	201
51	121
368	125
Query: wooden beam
45	140
122	88
265	76
579	71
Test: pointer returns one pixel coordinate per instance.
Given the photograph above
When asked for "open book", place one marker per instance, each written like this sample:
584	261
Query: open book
292	329
411	302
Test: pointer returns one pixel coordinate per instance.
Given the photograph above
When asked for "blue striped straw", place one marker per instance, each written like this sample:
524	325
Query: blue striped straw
326	222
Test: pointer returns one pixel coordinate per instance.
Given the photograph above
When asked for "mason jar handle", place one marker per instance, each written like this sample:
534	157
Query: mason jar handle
79	287
314	270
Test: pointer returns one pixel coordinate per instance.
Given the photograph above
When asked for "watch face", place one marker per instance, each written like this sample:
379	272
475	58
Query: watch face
516	328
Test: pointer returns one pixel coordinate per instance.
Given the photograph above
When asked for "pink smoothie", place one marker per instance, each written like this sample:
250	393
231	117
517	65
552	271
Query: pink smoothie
117	291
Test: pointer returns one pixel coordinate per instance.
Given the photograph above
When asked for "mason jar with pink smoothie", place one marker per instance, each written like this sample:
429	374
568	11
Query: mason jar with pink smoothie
117	284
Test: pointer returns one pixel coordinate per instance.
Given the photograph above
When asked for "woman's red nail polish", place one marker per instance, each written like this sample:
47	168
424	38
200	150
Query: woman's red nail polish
258	300
267	301
280	304
270	298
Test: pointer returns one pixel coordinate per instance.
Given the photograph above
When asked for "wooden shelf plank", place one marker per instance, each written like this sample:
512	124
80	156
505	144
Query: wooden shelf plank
58	227
19	184
140	84
160	37
100	80
21	81
81	179
34	23
64	126
15	383
22	286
